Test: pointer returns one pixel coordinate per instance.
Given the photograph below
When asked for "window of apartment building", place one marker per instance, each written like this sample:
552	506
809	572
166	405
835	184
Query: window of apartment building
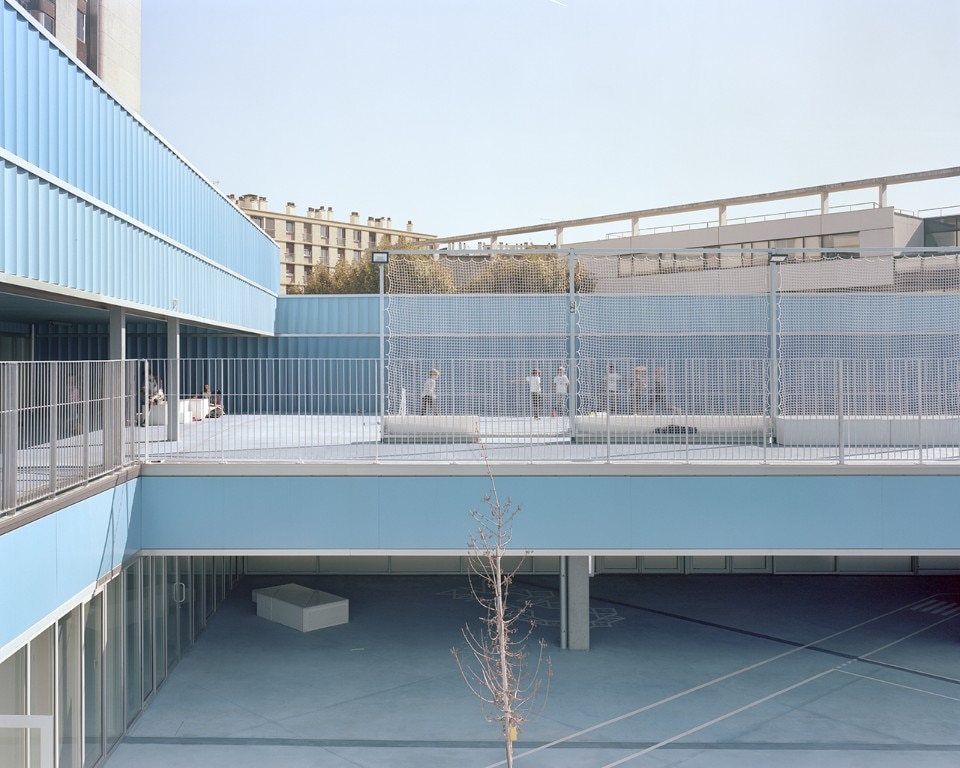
324	254
840	242
47	22
290	229
941	232
307	272
341	236
290	251
373	240
291	273
308	233
357	235
269	226
81	26
341	254
307	253
324	232
258	220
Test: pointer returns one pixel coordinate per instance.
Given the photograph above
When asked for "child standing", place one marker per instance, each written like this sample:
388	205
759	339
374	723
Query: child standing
561	385
428	395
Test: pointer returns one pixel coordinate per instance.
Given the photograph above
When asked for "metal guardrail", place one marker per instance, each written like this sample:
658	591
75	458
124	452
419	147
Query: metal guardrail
65	424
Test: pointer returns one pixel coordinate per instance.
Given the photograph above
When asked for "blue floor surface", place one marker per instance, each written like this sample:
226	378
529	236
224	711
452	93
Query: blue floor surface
698	671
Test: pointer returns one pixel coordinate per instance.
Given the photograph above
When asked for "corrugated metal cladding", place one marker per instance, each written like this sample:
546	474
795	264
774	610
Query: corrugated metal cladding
56	118
328	314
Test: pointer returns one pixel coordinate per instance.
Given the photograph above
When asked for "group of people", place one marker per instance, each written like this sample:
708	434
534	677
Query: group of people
645	396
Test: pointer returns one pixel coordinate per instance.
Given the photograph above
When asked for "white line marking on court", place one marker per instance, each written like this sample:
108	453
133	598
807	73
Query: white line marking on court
897	685
905	637
722	678
838	668
716	720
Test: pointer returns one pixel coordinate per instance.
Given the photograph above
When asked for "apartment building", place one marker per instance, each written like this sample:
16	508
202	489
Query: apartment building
102	35
318	239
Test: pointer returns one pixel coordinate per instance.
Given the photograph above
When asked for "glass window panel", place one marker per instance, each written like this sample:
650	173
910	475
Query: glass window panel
843	240
146	632
170	601
13	701
69	703
159	620
41	673
132	640
92	680
185	608
198	588
113	663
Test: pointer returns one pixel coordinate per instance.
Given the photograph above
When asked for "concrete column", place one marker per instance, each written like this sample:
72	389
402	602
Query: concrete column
559	237
882	192
722	215
114	389
172	384
576	594
634	226
118	334
824	203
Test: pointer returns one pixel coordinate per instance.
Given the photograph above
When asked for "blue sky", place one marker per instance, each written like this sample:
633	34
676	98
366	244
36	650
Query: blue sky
465	115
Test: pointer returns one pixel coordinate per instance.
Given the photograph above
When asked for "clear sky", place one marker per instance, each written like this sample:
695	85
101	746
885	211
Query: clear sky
466	115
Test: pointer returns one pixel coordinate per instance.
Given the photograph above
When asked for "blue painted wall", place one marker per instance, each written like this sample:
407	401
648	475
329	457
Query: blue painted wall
92	199
51	560
586	513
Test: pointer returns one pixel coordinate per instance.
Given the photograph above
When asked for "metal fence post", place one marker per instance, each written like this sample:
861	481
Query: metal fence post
9	417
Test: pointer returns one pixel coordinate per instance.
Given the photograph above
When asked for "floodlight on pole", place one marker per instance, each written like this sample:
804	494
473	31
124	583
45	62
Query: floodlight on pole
380	257
778	258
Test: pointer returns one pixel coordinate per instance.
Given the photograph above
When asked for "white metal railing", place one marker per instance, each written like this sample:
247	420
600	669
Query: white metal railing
755	218
64	424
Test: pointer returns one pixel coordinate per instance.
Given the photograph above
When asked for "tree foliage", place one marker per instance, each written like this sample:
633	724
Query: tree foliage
534	272
529	273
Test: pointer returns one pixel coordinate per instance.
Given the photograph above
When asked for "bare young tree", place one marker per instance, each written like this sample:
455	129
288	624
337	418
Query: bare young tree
499	669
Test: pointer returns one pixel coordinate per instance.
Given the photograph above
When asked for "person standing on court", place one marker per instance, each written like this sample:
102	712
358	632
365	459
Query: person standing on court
428	395
561	386
613	388
536	391
638	390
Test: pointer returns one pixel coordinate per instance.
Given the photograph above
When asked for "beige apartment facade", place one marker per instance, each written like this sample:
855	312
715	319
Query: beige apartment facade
318	240
103	35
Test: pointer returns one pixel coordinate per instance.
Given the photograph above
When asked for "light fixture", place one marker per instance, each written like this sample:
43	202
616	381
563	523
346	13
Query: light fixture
778	258
380	257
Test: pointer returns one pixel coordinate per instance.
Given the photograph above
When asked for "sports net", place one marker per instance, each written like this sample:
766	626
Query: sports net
486	323
675	333
869	335
698	333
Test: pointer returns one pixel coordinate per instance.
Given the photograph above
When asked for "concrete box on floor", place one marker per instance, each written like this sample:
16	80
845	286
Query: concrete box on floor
300	607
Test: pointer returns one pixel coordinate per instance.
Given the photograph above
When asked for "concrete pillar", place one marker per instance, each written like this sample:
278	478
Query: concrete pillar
882	192
118	334
172	384
559	237
576	595
114	390
824	203
634	226
722	215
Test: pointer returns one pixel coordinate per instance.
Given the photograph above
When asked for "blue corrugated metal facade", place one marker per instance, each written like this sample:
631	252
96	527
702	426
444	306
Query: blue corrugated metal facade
93	200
